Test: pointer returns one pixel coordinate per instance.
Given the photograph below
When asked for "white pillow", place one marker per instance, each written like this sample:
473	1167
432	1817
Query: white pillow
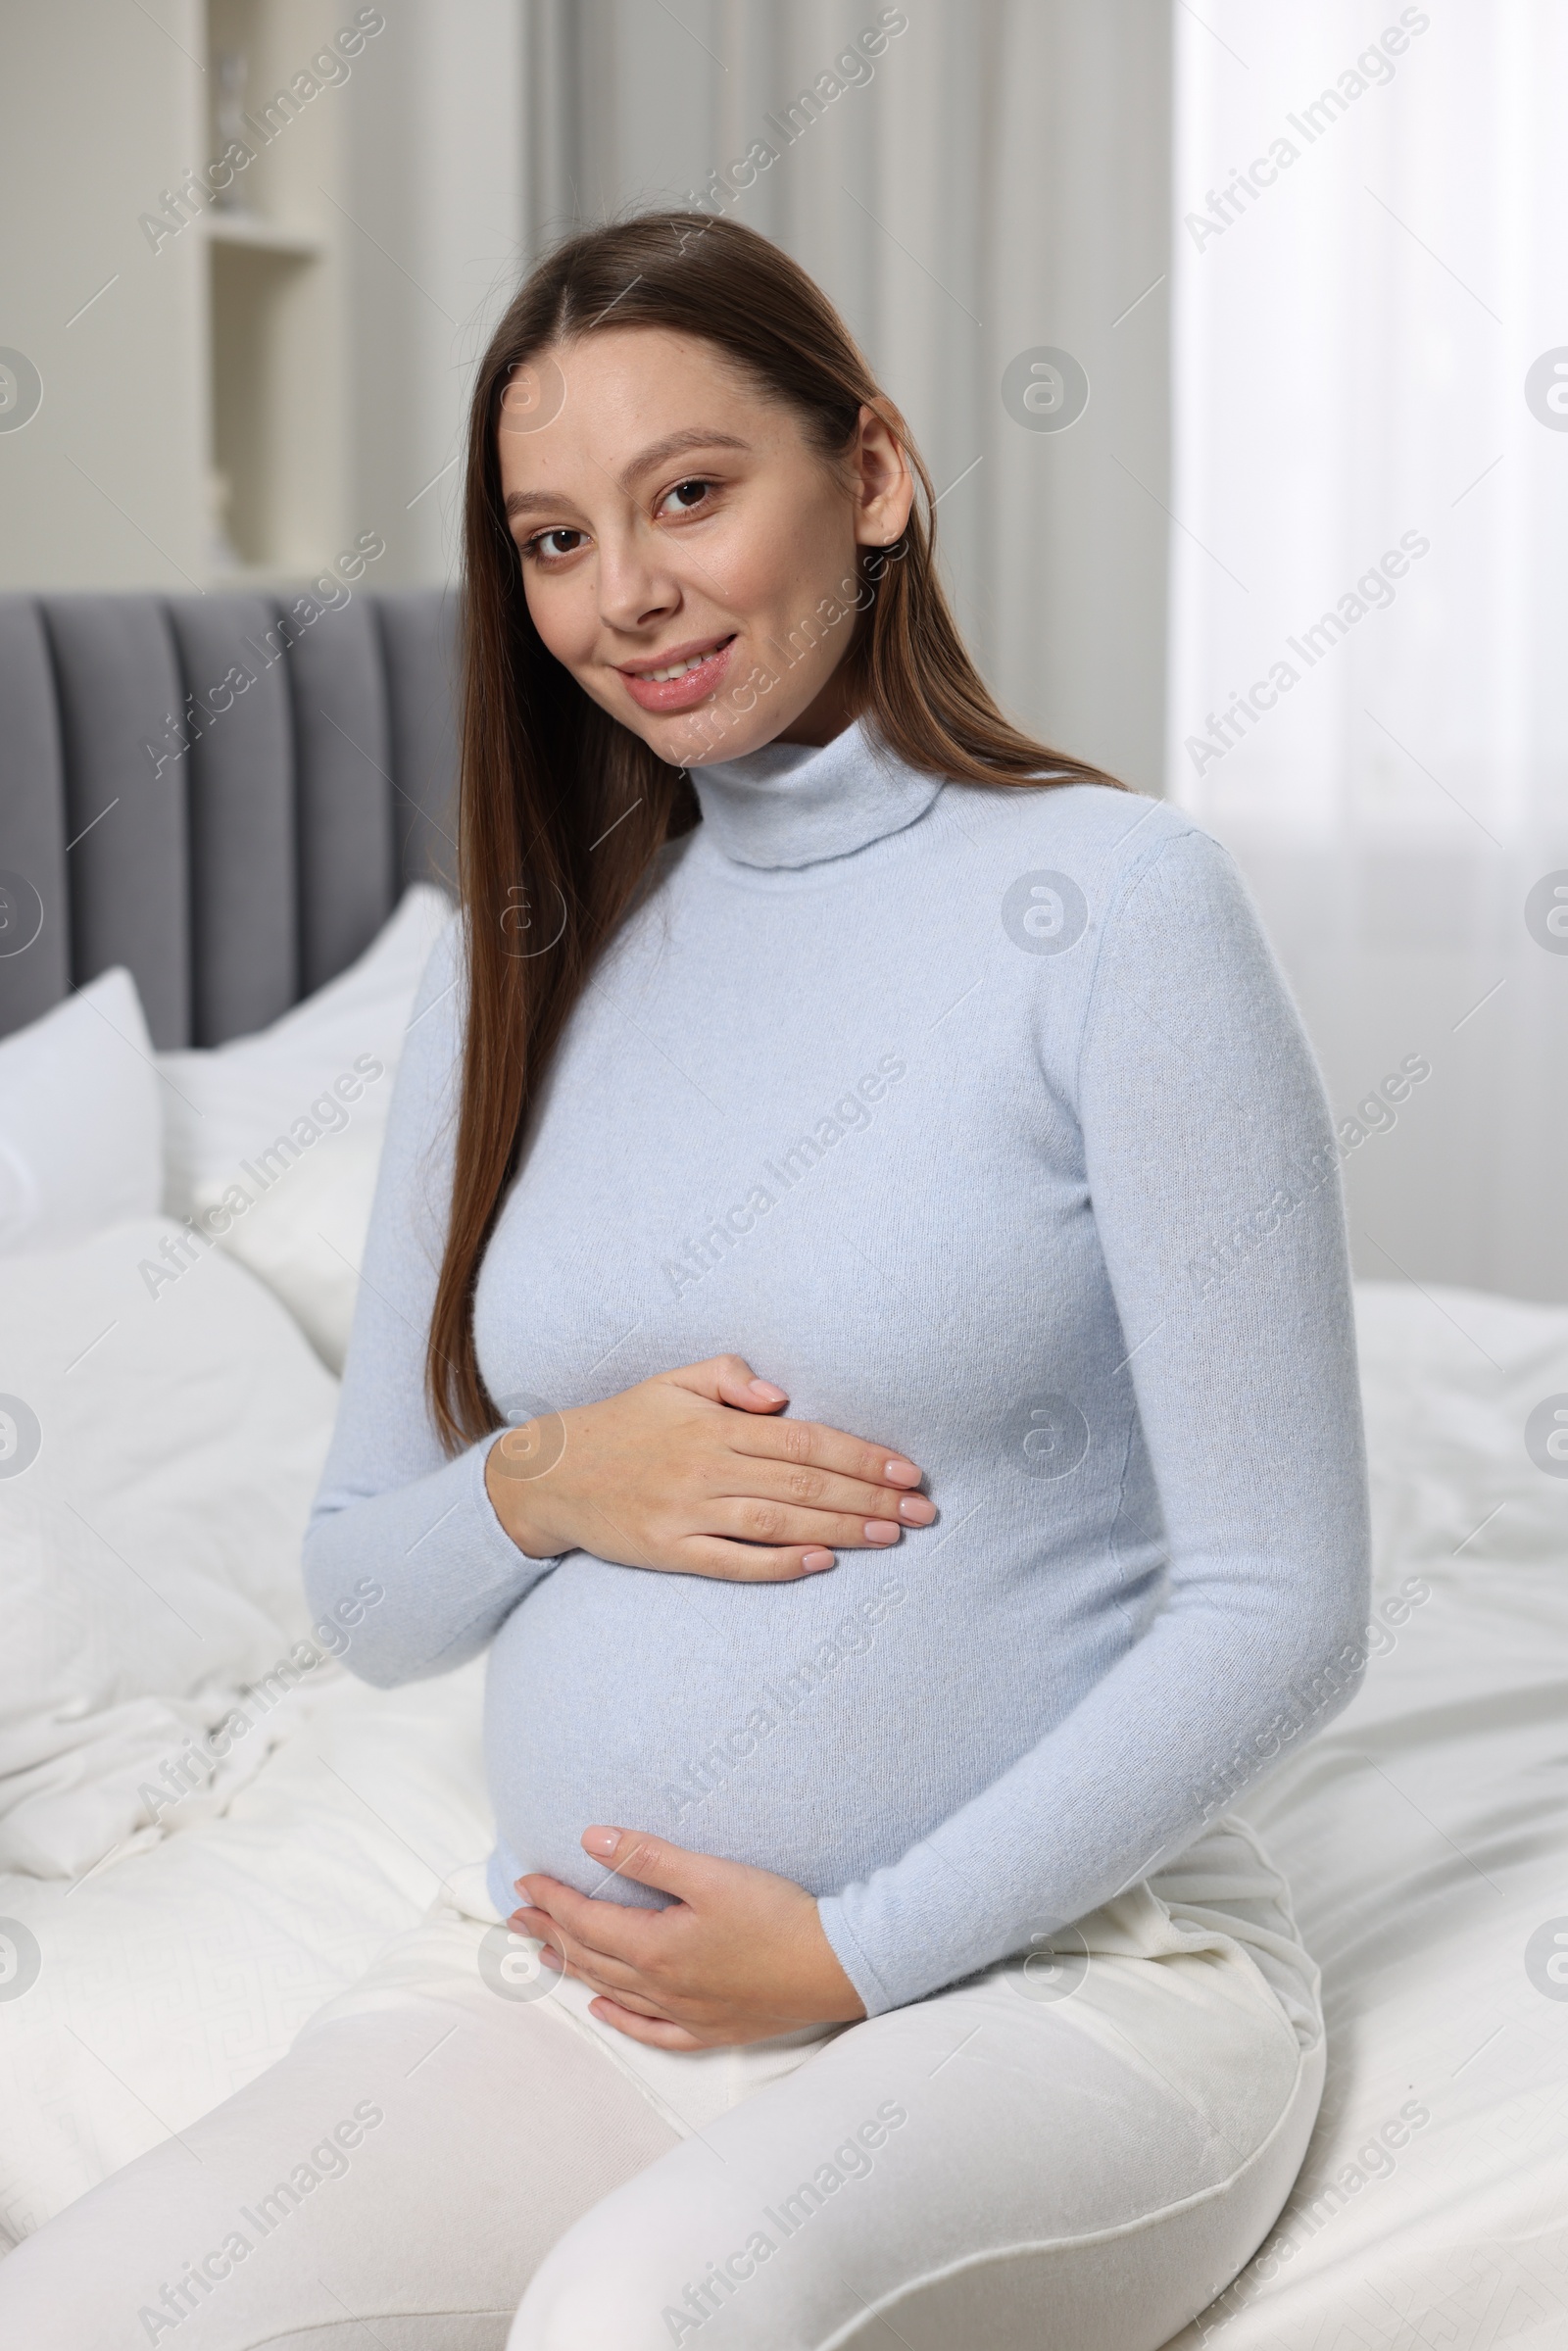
272	1142
161	1441
81	1124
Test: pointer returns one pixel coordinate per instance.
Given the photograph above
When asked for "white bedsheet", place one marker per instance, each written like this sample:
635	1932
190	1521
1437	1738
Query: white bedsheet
1423	1834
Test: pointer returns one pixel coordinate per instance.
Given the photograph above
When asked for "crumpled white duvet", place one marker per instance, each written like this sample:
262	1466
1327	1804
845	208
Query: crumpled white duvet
1423	1834
173	1425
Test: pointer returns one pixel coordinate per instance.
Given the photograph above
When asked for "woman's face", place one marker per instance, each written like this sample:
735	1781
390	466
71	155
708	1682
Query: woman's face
664	512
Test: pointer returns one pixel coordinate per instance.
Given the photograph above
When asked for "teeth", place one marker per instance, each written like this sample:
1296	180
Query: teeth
659	676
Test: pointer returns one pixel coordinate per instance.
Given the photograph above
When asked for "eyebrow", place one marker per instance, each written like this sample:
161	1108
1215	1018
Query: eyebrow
530	501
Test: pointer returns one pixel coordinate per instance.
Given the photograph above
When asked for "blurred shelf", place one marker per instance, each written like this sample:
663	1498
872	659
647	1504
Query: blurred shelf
263	236
278	457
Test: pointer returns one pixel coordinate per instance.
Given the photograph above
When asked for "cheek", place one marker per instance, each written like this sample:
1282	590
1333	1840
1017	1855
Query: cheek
564	613
783	547
773	579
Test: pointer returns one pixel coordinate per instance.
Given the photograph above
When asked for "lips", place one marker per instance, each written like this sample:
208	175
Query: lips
683	693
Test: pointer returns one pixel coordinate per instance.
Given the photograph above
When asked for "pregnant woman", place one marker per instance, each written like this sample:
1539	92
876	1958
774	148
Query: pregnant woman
855	1323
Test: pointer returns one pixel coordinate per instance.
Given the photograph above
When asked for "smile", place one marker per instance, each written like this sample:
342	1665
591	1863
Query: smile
659	676
685	675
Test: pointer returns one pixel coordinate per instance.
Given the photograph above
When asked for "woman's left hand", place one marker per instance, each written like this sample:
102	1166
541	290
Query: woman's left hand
740	1954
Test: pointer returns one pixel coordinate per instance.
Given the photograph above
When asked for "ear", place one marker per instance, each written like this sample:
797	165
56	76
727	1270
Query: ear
886	493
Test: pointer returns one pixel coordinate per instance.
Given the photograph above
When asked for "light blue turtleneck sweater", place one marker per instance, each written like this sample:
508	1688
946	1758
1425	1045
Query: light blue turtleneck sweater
980	1120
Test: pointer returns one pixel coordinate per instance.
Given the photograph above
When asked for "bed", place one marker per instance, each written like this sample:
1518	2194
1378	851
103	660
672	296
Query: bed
169	1920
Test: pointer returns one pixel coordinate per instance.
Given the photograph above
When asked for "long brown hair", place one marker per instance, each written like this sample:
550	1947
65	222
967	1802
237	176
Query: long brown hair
562	810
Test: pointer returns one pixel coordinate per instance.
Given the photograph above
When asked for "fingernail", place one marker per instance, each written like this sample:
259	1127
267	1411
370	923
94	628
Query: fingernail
917	1510
900	1473
765	1388
813	1562
881	1530
601	1840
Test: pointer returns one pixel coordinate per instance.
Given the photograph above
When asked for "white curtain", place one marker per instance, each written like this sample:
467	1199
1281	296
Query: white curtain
989	177
1368	592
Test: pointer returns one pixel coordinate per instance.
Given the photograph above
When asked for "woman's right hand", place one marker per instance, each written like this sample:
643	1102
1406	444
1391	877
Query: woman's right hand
688	1472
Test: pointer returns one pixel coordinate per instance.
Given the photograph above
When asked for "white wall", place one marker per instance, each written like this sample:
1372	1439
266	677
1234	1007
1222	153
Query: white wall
98	112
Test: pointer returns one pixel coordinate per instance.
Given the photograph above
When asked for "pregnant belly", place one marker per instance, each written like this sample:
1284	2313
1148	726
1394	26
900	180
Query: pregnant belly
816	1728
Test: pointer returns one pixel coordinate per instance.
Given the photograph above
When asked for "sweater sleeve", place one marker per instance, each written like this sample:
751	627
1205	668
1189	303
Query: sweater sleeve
404	1545
1213	1176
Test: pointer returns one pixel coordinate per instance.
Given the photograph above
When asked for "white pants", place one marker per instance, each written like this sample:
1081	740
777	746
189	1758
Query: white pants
1064	2153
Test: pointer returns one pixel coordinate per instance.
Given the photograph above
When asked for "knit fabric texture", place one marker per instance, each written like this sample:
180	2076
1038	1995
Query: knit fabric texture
981	1120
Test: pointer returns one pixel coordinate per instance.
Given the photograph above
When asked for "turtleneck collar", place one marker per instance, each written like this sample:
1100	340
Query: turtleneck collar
796	804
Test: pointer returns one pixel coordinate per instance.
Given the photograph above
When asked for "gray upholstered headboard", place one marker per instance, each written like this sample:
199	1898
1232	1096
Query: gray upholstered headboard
233	845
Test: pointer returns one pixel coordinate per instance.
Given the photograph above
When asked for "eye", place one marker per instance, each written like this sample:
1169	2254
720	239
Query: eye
542	546
698	485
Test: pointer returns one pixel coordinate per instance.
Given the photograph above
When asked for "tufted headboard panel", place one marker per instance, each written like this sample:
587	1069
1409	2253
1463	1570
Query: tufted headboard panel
224	793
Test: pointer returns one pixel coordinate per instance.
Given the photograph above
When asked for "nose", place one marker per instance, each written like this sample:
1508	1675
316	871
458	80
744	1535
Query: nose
633	587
